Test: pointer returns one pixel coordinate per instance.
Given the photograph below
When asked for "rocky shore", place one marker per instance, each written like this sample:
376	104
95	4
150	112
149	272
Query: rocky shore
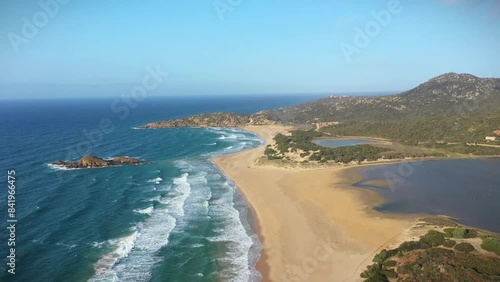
90	161
213	120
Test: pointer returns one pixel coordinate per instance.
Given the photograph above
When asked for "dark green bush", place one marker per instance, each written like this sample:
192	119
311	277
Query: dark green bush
464	247
380	257
413	245
377	277
270	151
433	238
305	154
449	243
389	273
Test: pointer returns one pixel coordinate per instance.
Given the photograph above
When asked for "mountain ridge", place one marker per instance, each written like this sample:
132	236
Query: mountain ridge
449	94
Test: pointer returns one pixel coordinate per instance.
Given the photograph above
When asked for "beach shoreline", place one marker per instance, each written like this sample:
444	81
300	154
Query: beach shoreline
312	225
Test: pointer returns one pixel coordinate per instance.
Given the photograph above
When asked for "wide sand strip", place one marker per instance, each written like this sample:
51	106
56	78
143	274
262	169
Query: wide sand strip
313	225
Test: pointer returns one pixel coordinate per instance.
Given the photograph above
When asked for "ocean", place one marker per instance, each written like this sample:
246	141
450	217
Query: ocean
175	218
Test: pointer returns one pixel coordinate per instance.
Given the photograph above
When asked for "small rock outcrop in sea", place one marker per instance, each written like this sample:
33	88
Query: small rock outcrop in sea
90	161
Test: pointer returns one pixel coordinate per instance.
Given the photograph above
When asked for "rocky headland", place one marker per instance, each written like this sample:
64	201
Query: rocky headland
213	120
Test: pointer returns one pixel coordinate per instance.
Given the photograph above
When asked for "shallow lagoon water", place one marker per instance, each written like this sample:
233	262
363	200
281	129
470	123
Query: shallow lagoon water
335	143
465	189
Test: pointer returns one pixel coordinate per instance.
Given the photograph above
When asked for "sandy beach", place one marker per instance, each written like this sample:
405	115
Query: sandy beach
313	225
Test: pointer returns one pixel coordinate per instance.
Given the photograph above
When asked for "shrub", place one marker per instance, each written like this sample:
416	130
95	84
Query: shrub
375	273
270	151
464	247
461	233
389	263
380	257
470	233
377	277
448	232
370	270
449	243
491	244
274	157
389	273
433	238
413	245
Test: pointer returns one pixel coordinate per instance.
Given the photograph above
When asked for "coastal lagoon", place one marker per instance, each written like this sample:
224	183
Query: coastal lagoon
335	143
465	189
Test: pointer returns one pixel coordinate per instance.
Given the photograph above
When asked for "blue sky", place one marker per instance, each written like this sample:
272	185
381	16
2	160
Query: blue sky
253	46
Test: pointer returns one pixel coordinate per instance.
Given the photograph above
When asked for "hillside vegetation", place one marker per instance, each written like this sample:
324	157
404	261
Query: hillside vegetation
449	108
473	128
444	253
447	95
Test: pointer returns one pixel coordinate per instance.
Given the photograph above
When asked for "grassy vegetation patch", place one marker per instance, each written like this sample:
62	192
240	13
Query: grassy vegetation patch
460	233
491	244
439	221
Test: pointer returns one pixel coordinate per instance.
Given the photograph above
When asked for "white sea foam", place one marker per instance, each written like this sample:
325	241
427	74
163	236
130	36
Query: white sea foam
147	211
237	140
197	203
180	192
154	233
231	231
157	180
98	244
60	167
236	261
230	136
103	267
154	199
66	245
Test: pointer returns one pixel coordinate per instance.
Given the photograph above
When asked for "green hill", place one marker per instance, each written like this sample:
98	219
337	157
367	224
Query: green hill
448	108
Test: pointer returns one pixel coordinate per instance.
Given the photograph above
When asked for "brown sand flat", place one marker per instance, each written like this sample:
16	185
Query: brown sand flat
312	224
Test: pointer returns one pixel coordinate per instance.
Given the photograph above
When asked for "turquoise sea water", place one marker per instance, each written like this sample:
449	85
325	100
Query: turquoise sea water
176	218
